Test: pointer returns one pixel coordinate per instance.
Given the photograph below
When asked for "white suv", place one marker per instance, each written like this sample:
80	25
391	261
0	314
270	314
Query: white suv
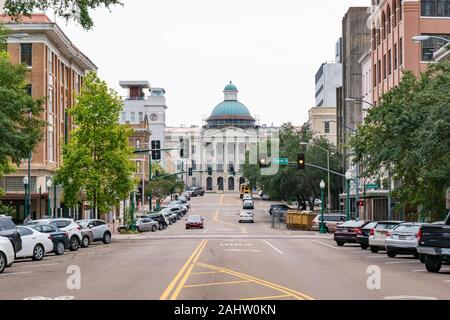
99	228
6	253
67	225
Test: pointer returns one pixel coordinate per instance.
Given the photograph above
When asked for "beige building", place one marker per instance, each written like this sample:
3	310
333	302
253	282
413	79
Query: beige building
322	121
56	71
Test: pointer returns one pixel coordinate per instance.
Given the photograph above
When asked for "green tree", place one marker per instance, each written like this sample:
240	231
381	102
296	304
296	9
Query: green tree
68	9
290	183
21	126
7	210
97	165
162	187
410	133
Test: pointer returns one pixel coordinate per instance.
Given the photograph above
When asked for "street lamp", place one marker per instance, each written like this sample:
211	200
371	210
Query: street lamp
322	228
348	178
49	185
26	182
328	167
359	100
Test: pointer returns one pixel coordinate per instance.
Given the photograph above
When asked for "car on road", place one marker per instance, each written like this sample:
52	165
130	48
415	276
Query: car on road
178	205
59	238
187	195
349	231
331	222
99	228
247	196
6	254
172	216
146	224
248	204
87	237
265	197
378	235
160	218
434	245
197	191
363	237
403	240
35	244
195	222
67	225
277	206
246	216
9	230
184	201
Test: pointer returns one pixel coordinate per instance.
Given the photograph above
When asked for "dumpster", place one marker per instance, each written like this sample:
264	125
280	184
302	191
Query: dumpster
299	220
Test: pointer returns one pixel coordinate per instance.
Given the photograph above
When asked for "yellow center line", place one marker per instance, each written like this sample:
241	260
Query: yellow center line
269	298
290	292
186	275
221	199
215	284
172	284
206	272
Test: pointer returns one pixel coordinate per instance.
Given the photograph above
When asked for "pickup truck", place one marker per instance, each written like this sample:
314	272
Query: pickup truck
434	245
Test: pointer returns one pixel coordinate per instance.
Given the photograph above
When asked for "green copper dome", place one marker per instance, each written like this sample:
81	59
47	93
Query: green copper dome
231	87
230	108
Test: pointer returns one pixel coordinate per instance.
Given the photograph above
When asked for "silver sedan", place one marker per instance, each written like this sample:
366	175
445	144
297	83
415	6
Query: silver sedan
146	224
403	240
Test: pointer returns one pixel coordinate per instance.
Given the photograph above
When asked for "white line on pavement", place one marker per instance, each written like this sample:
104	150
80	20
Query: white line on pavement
241	250
272	246
39	265
402	262
325	244
409	298
14	273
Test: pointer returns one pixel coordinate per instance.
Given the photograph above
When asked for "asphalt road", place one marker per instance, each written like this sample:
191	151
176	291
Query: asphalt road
226	260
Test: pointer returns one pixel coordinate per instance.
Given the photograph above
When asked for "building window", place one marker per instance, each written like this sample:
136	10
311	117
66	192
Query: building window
29	90
327	127
374	75
389	62
400	6
124	116
193	149
430	46
320	103
26	54
194	165
384	67
138	144
50	101
50	144
141	116
395	57
133	116
400	53
435	8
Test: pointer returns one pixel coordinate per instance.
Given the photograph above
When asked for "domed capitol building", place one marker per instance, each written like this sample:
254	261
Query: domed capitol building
220	144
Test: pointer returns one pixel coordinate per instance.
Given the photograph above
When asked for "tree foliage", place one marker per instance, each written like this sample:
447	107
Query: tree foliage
21	126
68	9
290	183
160	188
410	132
97	165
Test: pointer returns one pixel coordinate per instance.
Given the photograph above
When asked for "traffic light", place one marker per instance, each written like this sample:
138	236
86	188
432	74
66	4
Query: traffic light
156	150
264	161
301	162
209	171
232	171
184	148
190	171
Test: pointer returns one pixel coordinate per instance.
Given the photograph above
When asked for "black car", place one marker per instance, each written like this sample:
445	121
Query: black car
9	230
160	218
283	207
363	237
59	238
349	231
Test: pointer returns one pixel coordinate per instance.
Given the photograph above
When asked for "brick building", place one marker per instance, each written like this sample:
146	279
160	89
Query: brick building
56	72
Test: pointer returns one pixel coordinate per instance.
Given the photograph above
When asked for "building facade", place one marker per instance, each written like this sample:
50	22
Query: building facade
328	78
56	71
144	101
394	23
321	122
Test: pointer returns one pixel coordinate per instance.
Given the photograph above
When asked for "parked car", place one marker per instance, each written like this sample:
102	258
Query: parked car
6	254
195	222
265	197
161	219
67	225
247	196
59	238
348	231
363	237
246	216
172	216
276	206
248	204
99	228
9	230
403	240
146	224
185	202
35	244
187	195
197	191
179	205
378	235
331	222
434	245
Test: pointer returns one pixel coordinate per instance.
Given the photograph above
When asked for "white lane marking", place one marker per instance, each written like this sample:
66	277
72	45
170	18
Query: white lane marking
206	230
14	273
272	246
409	298
401	262
39	265
241	250
325	244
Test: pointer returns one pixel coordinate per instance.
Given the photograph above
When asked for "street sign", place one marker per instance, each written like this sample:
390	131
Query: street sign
372	186
280	161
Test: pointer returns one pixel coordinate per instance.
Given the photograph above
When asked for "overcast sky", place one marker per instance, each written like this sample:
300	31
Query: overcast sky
270	49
